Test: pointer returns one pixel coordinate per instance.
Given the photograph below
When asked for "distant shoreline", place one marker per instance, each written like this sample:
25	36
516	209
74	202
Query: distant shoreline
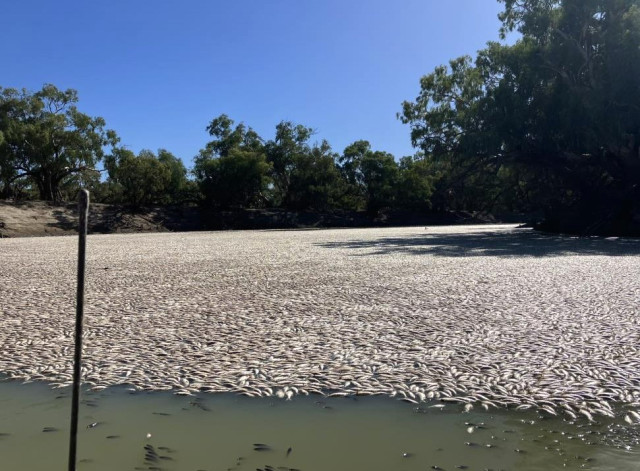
40	218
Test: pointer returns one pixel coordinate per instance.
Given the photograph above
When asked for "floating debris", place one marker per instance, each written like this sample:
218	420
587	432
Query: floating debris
470	332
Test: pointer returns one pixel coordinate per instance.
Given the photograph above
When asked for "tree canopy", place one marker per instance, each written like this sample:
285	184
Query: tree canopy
546	124
144	179
553	119
45	139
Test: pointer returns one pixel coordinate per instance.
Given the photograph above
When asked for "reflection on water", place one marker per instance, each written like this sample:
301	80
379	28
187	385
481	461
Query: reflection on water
226	432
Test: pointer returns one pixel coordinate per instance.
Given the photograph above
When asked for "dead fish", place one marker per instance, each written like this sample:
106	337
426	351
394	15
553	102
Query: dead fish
93	425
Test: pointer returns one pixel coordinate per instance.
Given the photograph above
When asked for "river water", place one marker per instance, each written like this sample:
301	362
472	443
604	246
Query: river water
124	430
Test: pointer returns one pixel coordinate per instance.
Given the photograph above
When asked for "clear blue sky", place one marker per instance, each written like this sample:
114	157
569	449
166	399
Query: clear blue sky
159	71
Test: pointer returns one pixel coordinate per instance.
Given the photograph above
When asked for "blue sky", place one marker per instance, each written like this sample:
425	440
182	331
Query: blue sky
158	72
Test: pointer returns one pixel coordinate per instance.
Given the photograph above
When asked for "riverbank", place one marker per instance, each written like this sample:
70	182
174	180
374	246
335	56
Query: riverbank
40	218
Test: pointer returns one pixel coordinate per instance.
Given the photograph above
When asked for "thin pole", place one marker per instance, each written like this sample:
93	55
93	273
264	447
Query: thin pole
83	209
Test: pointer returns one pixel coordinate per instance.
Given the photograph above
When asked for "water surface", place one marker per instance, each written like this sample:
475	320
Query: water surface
308	433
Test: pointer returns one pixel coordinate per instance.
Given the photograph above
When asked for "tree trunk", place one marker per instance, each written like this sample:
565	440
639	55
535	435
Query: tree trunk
48	187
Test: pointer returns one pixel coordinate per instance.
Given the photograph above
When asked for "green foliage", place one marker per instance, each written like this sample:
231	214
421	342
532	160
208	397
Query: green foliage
315	181
415	185
178	188
232	169
554	117
239	178
46	140
144	179
372	176
285	152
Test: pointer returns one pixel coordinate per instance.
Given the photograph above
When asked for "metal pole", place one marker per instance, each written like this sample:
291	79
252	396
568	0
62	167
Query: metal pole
83	209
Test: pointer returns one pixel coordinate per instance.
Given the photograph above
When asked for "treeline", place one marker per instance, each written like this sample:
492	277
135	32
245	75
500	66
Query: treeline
549	125
49	150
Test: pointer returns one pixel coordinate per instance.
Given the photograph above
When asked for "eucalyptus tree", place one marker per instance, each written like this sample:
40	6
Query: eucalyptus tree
232	169
314	180
289	146
46	139
371	175
555	116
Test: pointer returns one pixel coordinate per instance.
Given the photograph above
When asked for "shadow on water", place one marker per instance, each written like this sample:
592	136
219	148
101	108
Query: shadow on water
502	243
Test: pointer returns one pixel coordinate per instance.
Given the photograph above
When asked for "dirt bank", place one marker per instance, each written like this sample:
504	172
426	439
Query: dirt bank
39	218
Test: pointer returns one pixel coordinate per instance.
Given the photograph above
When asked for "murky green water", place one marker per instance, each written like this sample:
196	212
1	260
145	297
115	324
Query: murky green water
220	432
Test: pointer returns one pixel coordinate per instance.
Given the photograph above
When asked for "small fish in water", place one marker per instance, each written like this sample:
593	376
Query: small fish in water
93	425
49	429
3	434
289	451
161	413
113	436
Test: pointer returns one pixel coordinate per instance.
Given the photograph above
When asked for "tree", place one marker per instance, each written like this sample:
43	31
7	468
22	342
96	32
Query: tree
232	170
555	116
290	145
315	182
47	140
372	175
239	178
415	185
178	188
142	179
